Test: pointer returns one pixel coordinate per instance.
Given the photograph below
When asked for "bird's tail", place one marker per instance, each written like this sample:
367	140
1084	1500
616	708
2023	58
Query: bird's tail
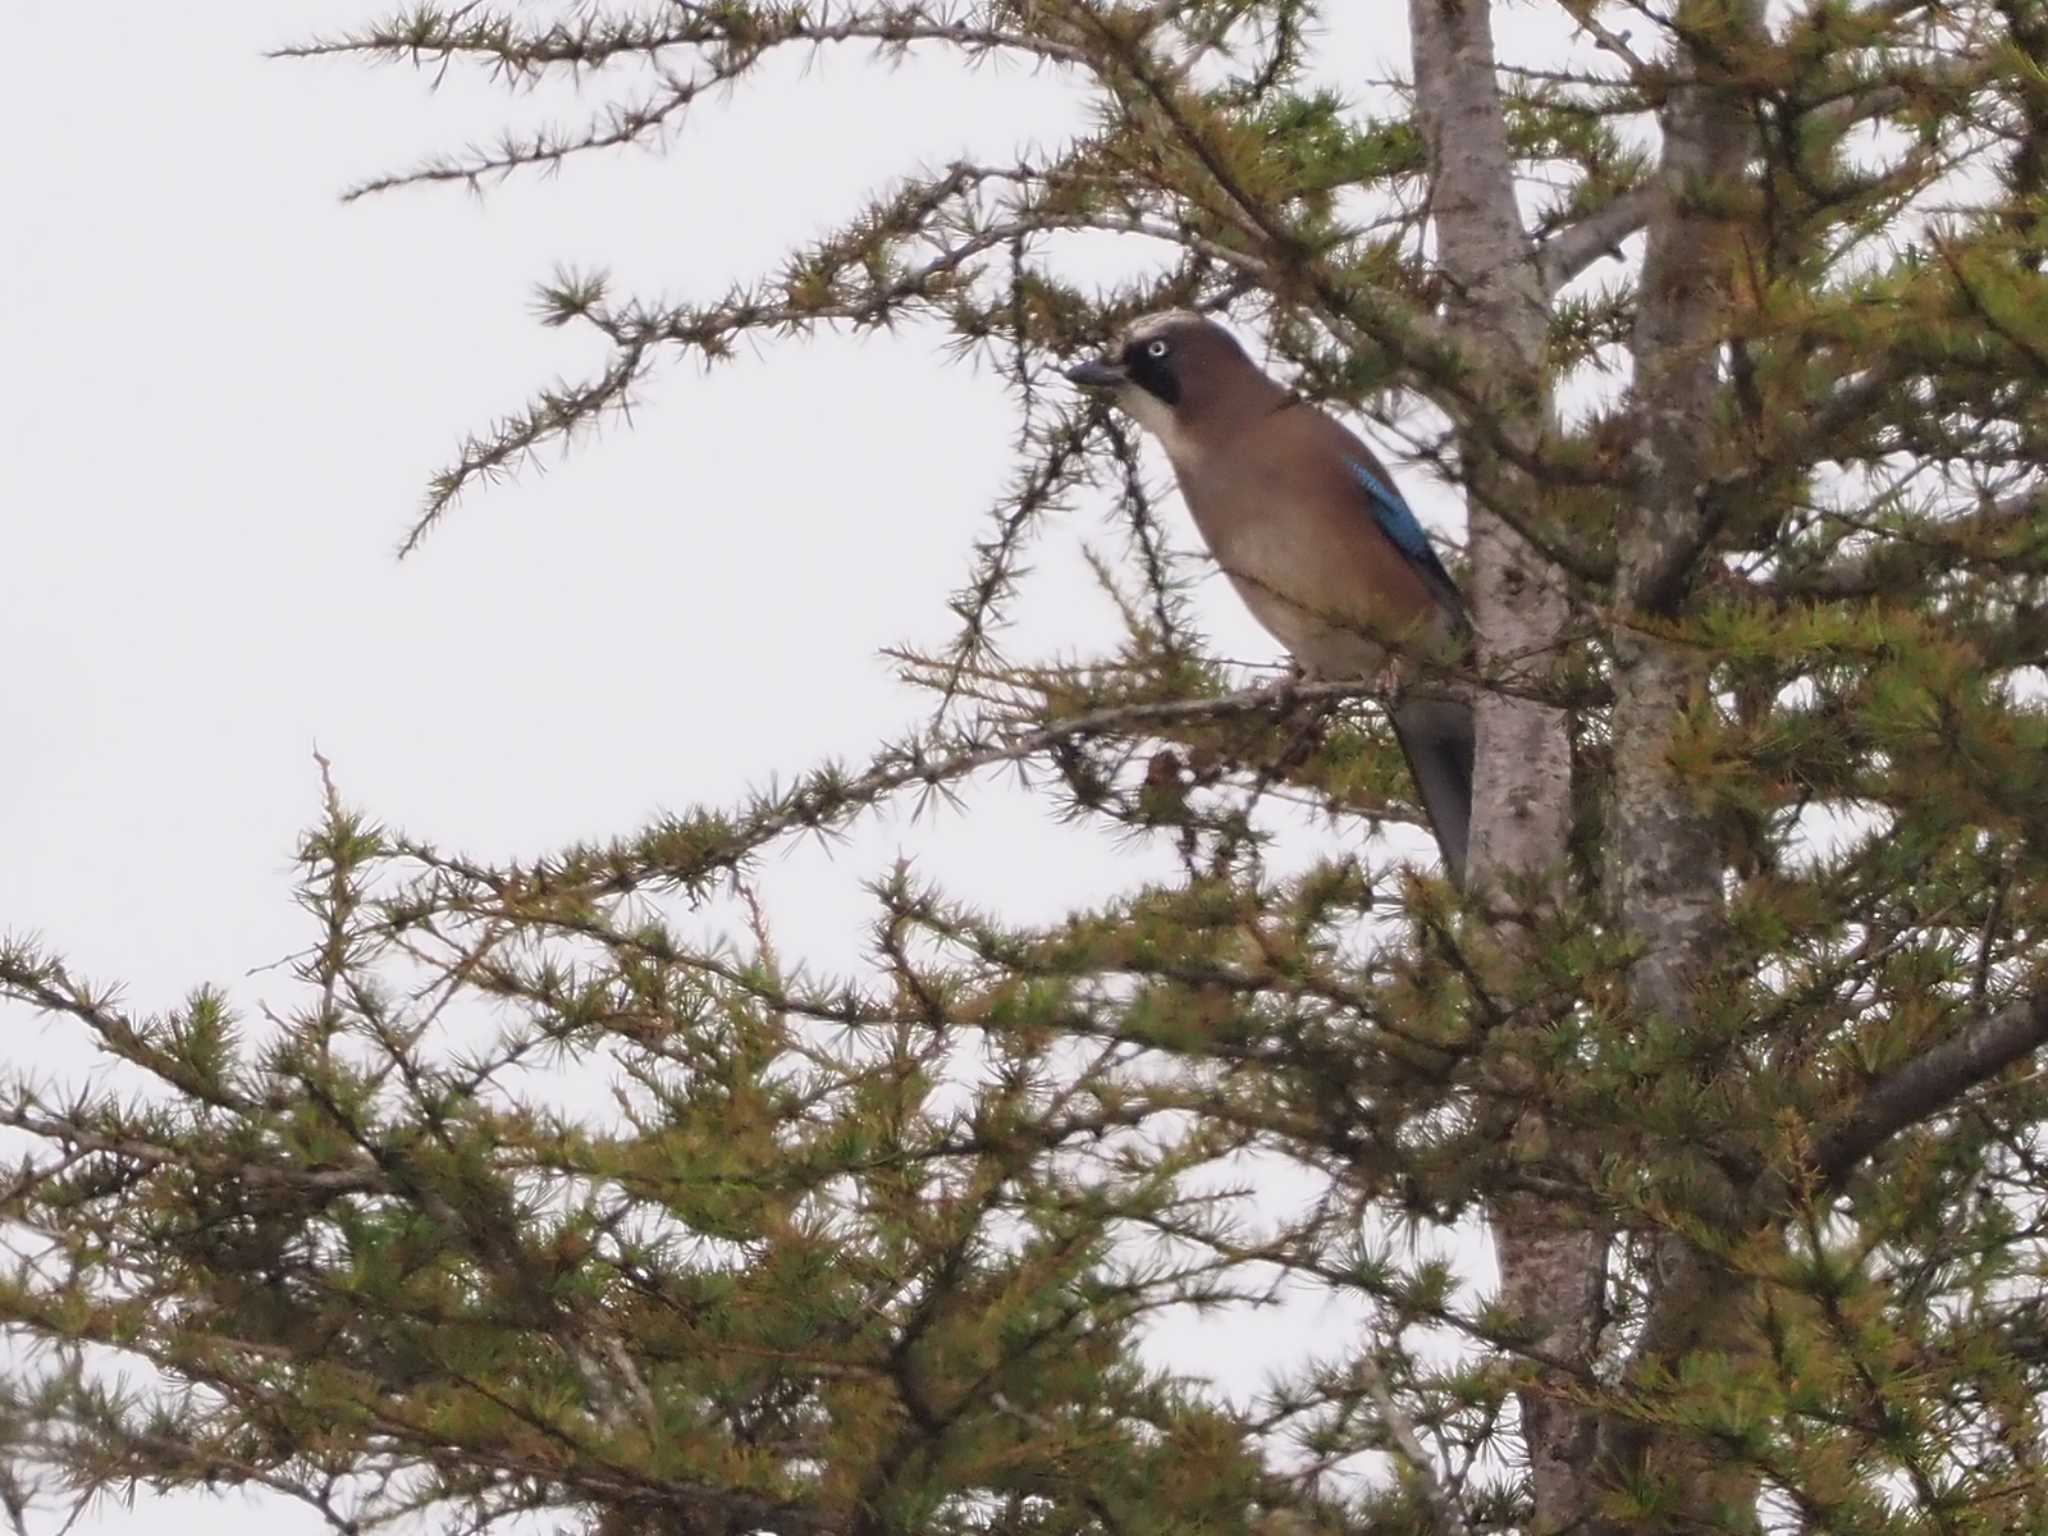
1438	738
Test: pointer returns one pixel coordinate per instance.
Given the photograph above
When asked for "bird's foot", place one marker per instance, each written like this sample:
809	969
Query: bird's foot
1281	690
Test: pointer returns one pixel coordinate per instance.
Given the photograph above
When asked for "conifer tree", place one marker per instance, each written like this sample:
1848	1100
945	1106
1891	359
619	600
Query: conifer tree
1728	1045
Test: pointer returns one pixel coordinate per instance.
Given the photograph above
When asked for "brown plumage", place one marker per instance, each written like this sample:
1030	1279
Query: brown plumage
1306	523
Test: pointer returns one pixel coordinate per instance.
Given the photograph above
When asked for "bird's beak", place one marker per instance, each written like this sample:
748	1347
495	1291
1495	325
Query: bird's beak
1098	375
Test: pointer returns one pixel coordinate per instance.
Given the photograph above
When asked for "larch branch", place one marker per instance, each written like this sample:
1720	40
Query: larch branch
1932	1081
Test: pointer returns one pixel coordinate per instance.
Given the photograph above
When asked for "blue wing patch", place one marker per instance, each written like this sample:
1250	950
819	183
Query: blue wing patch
1393	516
1405	533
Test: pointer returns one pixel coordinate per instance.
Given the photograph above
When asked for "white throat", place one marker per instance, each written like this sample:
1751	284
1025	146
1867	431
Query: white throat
1157	417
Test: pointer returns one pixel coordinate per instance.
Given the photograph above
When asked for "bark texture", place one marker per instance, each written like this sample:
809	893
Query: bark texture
1551	1272
1664	870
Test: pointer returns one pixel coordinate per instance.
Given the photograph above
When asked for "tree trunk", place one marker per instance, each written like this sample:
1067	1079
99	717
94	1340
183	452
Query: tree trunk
1550	1260
1665	871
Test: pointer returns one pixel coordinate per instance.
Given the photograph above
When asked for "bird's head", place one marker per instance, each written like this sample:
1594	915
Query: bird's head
1175	371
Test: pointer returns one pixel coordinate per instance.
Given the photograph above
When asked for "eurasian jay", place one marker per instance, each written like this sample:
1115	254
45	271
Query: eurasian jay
1310	530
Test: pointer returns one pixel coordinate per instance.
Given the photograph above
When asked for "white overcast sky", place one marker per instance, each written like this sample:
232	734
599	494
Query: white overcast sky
222	391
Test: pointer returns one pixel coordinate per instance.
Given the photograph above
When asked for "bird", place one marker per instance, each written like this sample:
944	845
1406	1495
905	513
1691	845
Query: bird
1307	524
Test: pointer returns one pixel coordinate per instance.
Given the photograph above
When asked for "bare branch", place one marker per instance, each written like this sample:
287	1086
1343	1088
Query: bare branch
1577	246
1932	1081
1450	1518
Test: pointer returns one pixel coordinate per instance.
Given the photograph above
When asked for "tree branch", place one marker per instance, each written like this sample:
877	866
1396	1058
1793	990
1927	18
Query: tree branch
1408	1446
2002	534
1933	1080
1577	246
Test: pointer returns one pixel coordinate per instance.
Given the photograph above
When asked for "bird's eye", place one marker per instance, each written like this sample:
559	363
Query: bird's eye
1157	348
